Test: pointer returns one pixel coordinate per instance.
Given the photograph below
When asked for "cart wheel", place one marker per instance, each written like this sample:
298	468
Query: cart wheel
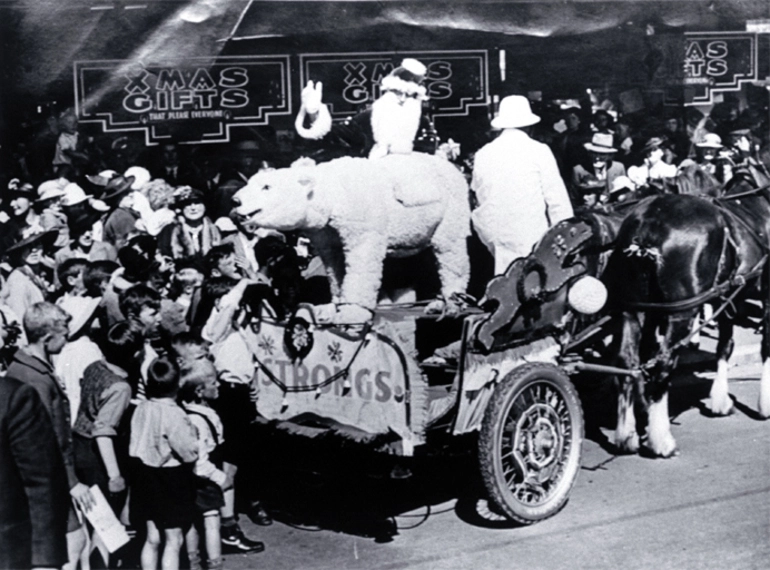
530	442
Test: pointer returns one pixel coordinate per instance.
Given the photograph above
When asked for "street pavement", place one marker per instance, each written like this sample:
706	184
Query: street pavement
707	508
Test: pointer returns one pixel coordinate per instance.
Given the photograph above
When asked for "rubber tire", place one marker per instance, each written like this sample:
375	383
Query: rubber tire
490	446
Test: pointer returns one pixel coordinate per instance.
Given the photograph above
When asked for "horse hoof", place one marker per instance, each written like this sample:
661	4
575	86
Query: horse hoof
665	451
628	446
723	410
650	453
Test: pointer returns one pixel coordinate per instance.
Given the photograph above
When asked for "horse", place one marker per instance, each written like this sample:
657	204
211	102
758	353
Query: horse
673	253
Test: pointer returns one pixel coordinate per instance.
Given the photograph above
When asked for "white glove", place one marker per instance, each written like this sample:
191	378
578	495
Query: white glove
312	96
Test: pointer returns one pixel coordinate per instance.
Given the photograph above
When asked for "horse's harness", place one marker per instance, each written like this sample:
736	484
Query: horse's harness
735	284
718	290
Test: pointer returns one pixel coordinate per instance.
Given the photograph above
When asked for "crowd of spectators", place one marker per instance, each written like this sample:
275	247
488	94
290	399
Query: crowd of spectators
119	285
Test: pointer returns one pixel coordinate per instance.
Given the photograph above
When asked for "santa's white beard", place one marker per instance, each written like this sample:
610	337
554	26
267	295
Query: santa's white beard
394	125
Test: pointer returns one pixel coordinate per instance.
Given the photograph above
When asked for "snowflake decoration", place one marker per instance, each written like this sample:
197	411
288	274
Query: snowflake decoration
267	345
335	351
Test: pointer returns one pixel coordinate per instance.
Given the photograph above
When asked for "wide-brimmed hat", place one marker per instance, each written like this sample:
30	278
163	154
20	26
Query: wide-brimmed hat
225	225
49	194
141	176
74	195
601	142
710	140
514	113
81	218
116	188
653	143
740	129
81	309
46	239
247	147
622	184
19	189
102	178
51	189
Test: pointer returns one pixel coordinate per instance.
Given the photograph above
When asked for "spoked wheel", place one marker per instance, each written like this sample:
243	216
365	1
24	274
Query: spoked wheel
530	442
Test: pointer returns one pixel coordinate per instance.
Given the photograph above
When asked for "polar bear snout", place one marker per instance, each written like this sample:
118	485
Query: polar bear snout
240	214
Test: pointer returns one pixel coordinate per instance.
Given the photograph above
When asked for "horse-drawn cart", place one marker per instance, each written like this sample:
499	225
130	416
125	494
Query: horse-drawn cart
406	380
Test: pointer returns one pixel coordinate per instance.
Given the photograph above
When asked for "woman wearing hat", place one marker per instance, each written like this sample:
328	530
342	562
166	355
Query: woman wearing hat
120	222
48	208
30	281
518	186
592	180
193	234
654	168
22	218
82	244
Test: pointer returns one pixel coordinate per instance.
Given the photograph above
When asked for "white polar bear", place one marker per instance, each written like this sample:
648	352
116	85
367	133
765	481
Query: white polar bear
357	211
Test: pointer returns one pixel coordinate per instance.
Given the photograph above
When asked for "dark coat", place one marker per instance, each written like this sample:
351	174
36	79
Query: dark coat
34	495
41	376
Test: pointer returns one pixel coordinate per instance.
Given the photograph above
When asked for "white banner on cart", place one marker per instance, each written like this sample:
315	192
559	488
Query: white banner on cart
357	380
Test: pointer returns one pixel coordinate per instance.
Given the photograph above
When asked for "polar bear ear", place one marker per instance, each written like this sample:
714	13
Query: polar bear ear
308	184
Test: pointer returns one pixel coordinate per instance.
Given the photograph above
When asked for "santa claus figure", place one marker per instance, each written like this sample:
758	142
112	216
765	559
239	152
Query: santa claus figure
390	126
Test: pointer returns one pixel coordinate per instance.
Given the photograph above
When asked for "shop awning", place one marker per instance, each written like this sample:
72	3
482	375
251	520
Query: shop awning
42	39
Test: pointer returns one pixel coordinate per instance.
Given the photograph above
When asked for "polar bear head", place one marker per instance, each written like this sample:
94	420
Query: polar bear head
283	199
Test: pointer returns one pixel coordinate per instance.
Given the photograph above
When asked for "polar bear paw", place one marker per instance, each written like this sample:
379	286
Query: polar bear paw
350	314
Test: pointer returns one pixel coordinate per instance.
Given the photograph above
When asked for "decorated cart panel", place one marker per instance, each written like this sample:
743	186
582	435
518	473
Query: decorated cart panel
359	377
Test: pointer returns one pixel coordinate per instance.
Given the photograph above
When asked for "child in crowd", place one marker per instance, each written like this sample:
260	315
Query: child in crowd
175	309
164	442
96	280
237	400
140	305
80	350
188	347
199	387
70	276
100	434
221	261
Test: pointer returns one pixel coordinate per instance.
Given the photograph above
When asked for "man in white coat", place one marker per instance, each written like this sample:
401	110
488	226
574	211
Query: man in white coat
518	187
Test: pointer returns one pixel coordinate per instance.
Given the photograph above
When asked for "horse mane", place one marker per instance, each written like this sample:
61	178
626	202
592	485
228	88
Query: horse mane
692	179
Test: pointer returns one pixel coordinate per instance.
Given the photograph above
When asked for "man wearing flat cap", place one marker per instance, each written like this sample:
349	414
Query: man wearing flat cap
518	186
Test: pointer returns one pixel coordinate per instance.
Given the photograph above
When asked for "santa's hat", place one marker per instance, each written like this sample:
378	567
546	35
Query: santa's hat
407	78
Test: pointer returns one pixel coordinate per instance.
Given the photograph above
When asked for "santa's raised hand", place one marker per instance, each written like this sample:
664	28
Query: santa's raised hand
314	112
312	97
